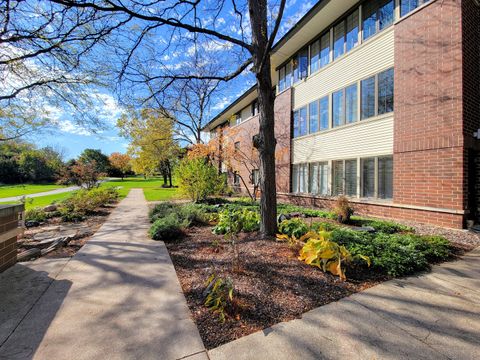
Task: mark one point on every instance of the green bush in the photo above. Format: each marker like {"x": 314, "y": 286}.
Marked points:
{"x": 167, "y": 228}
{"x": 293, "y": 228}
{"x": 192, "y": 215}
{"x": 324, "y": 226}
{"x": 198, "y": 179}
{"x": 236, "y": 221}
{"x": 161, "y": 210}
{"x": 385, "y": 226}
{"x": 36, "y": 214}
{"x": 84, "y": 202}
{"x": 394, "y": 254}
{"x": 287, "y": 209}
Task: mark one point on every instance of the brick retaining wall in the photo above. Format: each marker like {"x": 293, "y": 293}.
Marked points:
{"x": 10, "y": 228}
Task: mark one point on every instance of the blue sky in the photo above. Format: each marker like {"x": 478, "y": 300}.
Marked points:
{"x": 74, "y": 139}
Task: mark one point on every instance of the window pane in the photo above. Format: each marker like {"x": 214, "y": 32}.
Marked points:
{"x": 337, "y": 111}
{"x": 295, "y": 178}
{"x": 303, "y": 121}
{"x": 408, "y": 5}
{"x": 385, "y": 177}
{"x": 352, "y": 31}
{"x": 288, "y": 75}
{"x": 351, "y": 177}
{"x": 368, "y": 98}
{"x": 368, "y": 177}
{"x": 313, "y": 182}
{"x": 369, "y": 23}
{"x": 385, "y": 14}
{"x": 302, "y": 178}
{"x": 314, "y": 56}
{"x": 385, "y": 92}
{"x": 324, "y": 113}
{"x": 313, "y": 117}
{"x": 281, "y": 82}
{"x": 337, "y": 177}
{"x": 351, "y": 104}
{"x": 300, "y": 66}
{"x": 323, "y": 181}
{"x": 338, "y": 40}
{"x": 296, "y": 123}
{"x": 325, "y": 49}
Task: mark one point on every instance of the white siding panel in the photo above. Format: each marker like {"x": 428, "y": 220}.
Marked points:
{"x": 370, "y": 138}
{"x": 368, "y": 59}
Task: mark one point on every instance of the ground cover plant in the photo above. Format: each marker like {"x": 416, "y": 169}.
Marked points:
{"x": 315, "y": 260}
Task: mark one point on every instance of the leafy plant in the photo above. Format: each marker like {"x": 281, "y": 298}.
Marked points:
{"x": 161, "y": 210}
{"x": 294, "y": 228}
{"x": 167, "y": 228}
{"x": 36, "y": 214}
{"x": 385, "y": 226}
{"x": 237, "y": 221}
{"x": 327, "y": 255}
{"x": 84, "y": 202}
{"x": 324, "y": 226}
{"x": 219, "y": 295}
{"x": 343, "y": 210}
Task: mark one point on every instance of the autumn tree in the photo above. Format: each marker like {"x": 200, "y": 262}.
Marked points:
{"x": 120, "y": 162}
{"x": 251, "y": 46}
{"x": 152, "y": 146}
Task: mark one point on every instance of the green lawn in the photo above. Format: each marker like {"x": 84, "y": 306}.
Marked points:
{"x": 25, "y": 189}
{"x": 152, "y": 188}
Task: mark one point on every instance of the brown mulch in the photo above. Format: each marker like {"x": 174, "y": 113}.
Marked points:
{"x": 272, "y": 285}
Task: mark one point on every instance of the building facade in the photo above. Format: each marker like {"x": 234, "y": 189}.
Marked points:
{"x": 378, "y": 100}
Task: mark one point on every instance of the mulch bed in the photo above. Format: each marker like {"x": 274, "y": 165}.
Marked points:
{"x": 272, "y": 285}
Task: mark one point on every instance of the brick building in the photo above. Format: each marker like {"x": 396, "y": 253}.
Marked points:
{"x": 378, "y": 100}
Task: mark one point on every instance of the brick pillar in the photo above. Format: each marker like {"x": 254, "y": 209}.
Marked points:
{"x": 283, "y": 135}
{"x": 10, "y": 227}
{"x": 429, "y": 143}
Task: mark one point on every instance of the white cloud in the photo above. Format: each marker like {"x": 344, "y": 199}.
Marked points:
{"x": 68, "y": 126}
{"x": 222, "y": 103}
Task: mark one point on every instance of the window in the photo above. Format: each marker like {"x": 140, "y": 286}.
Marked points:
{"x": 409, "y": 5}
{"x": 385, "y": 92}
{"x": 254, "y": 108}
{"x": 324, "y": 120}
{"x": 255, "y": 177}
{"x": 300, "y": 66}
{"x": 368, "y": 177}
{"x": 236, "y": 179}
{"x": 351, "y": 104}
{"x": 385, "y": 177}
{"x": 352, "y": 31}
{"x": 337, "y": 168}
{"x": 313, "y": 117}
{"x": 318, "y": 181}
{"x": 314, "y": 56}
{"x": 237, "y": 119}
{"x": 337, "y": 108}
{"x": 236, "y": 146}
{"x": 284, "y": 77}
{"x": 300, "y": 122}
{"x": 367, "y": 100}
{"x": 300, "y": 178}
{"x": 338, "y": 40}
{"x": 351, "y": 177}
{"x": 377, "y": 15}
{"x": 325, "y": 49}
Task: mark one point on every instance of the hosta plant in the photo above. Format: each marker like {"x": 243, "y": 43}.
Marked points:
{"x": 327, "y": 255}
{"x": 219, "y": 295}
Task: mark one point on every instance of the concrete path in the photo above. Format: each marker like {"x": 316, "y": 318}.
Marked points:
{"x": 40, "y": 194}
{"x": 117, "y": 298}
{"x": 432, "y": 316}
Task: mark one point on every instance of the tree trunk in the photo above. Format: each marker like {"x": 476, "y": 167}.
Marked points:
{"x": 169, "y": 167}
{"x": 264, "y": 141}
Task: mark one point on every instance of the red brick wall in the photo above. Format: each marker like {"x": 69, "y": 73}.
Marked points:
{"x": 247, "y": 158}
{"x": 8, "y": 247}
{"x": 429, "y": 156}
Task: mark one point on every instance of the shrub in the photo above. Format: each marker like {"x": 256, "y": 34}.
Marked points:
{"x": 327, "y": 255}
{"x": 167, "y": 228}
{"x": 36, "y": 214}
{"x": 198, "y": 179}
{"x": 395, "y": 254}
{"x": 343, "y": 210}
{"x": 219, "y": 295}
{"x": 293, "y": 228}
{"x": 161, "y": 210}
{"x": 84, "y": 202}
{"x": 287, "y": 208}
{"x": 385, "y": 226}
{"x": 192, "y": 215}
{"x": 232, "y": 222}
{"x": 324, "y": 226}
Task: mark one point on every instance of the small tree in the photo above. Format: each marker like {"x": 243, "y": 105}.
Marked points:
{"x": 198, "y": 179}
{"x": 85, "y": 174}
{"x": 121, "y": 163}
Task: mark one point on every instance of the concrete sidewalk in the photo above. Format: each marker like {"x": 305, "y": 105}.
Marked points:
{"x": 40, "y": 194}
{"x": 117, "y": 298}
{"x": 432, "y": 316}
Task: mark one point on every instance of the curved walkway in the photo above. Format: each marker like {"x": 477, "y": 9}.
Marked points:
{"x": 117, "y": 298}
{"x": 431, "y": 316}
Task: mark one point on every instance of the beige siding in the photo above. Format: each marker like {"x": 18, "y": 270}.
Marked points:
{"x": 368, "y": 59}
{"x": 369, "y": 138}
{"x": 246, "y": 113}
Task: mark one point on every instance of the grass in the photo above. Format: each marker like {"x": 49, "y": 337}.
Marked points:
{"x": 25, "y": 189}
{"x": 152, "y": 188}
